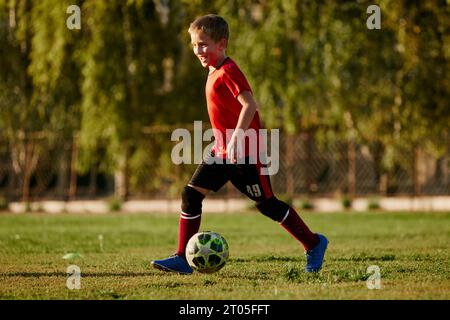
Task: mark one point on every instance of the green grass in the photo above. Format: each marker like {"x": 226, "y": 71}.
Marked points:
{"x": 412, "y": 251}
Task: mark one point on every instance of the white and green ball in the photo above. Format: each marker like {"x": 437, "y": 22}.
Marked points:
{"x": 207, "y": 252}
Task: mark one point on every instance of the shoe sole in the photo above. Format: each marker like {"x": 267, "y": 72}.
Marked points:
{"x": 162, "y": 268}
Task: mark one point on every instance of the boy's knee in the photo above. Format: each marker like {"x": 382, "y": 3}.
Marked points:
{"x": 273, "y": 208}
{"x": 191, "y": 201}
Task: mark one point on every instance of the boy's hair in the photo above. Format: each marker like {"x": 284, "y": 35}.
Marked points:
{"x": 213, "y": 25}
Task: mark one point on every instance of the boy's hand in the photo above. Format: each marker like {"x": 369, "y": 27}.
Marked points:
{"x": 233, "y": 149}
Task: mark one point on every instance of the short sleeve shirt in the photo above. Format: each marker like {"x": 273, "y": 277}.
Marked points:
{"x": 222, "y": 89}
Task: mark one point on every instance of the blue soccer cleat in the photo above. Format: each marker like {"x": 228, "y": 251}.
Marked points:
{"x": 314, "y": 256}
{"x": 174, "y": 263}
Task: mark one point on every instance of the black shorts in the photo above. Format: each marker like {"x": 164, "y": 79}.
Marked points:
{"x": 247, "y": 178}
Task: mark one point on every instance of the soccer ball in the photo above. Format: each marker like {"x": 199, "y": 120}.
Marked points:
{"x": 207, "y": 252}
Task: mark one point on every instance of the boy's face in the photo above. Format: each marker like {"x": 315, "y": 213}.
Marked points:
{"x": 206, "y": 49}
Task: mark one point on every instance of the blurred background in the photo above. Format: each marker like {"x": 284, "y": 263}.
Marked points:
{"x": 88, "y": 113}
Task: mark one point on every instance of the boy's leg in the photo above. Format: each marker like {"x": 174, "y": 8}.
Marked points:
{"x": 298, "y": 229}
{"x": 190, "y": 216}
{"x": 189, "y": 223}
{"x": 249, "y": 180}
{"x": 207, "y": 177}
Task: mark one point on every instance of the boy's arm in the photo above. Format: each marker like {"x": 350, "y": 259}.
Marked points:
{"x": 249, "y": 107}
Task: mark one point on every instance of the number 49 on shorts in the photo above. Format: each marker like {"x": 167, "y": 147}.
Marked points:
{"x": 254, "y": 190}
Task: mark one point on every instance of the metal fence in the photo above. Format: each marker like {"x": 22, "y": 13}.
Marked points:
{"x": 39, "y": 166}
{"x": 357, "y": 170}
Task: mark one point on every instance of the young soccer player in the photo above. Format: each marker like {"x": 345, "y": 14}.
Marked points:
{"x": 231, "y": 106}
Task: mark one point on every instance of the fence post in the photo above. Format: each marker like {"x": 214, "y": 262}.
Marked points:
{"x": 309, "y": 159}
{"x": 121, "y": 175}
{"x": 73, "y": 168}
{"x": 415, "y": 172}
{"x": 63, "y": 170}
{"x": 290, "y": 153}
{"x": 26, "y": 169}
{"x": 351, "y": 173}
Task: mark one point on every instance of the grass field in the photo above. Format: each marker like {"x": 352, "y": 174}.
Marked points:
{"x": 411, "y": 249}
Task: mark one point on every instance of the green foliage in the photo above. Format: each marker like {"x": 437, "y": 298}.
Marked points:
{"x": 373, "y": 204}
{"x": 115, "y": 204}
{"x": 312, "y": 65}
{"x": 3, "y": 204}
{"x": 346, "y": 202}
{"x": 306, "y": 204}
{"x": 28, "y": 207}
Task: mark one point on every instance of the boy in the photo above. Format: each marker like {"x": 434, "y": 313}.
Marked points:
{"x": 231, "y": 106}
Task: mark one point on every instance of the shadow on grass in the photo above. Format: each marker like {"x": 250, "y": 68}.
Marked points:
{"x": 87, "y": 274}
{"x": 296, "y": 275}
{"x": 363, "y": 257}
{"x": 271, "y": 258}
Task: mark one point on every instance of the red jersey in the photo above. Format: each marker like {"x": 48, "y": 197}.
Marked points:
{"x": 222, "y": 88}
